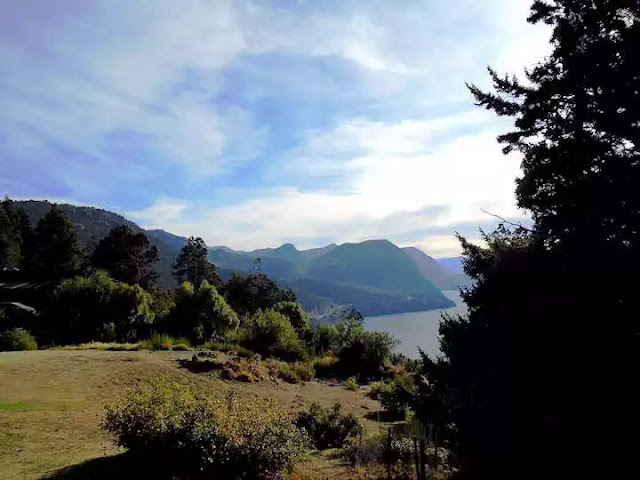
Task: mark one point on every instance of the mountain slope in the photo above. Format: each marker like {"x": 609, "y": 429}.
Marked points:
{"x": 451, "y": 264}
{"x": 375, "y": 263}
{"x": 93, "y": 224}
{"x": 434, "y": 272}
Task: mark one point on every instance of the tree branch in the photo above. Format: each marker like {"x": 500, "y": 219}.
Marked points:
{"x": 504, "y": 220}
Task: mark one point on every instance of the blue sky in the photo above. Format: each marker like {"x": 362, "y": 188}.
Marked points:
{"x": 256, "y": 123}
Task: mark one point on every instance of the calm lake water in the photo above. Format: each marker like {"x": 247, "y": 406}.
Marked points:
{"x": 416, "y": 329}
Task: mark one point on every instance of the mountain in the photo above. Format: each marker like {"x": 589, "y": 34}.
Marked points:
{"x": 169, "y": 239}
{"x": 375, "y": 277}
{"x": 433, "y": 271}
{"x": 451, "y": 264}
{"x": 93, "y": 224}
{"x": 375, "y": 263}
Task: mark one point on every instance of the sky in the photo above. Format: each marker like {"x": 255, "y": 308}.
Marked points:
{"x": 256, "y": 123}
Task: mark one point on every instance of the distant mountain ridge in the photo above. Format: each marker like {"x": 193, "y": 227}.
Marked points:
{"x": 375, "y": 276}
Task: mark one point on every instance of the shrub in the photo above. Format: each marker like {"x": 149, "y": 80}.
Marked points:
{"x": 17, "y": 339}
{"x": 326, "y": 366}
{"x": 292, "y": 372}
{"x": 180, "y": 347}
{"x": 98, "y": 308}
{"x": 351, "y": 383}
{"x": 377, "y": 389}
{"x": 202, "y": 436}
{"x": 329, "y": 427}
{"x": 201, "y": 314}
{"x": 232, "y": 349}
{"x": 374, "y": 450}
{"x": 271, "y": 334}
{"x": 162, "y": 341}
{"x": 321, "y": 338}
{"x": 296, "y": 315}
{"x": 397, "y": 399}
{"x": 361, "y": 352}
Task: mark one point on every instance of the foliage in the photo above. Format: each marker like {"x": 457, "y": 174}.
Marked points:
{"x": 57, "y": 249}
{"x": 376, "y": 389}
{"x": 295, "y": 372}
{"x": 17, "y": 339}
{"x": 326, "y": 366}
{"x": 296, "y": 315}
{"x": 193, "y": 266}
{"x": 374, "y": 450}
{"x": 84, "y": 307}
{"x": 203, "y": 436}
{"x": 517, "y": 376}
{"x": 162, "y": 341}
{"x": 201, "y": 314}
{"x": 10, "y": 240}
{"x": 361, "y": 352}
{"x": 253, "y": 292}
{"x": 230, "y": 348}
{"x": 352, "y": 384}
{"x": 397, "y": 398}
{"x": 329, "y": 427}
{"x": 127, "y": 257}
{"x": 321, "y": 338}
{"x": 271, "y": 334}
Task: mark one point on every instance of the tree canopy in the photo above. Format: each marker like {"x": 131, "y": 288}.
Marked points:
{"x": 127, "y": 256}
{"x": 192, "y": 265}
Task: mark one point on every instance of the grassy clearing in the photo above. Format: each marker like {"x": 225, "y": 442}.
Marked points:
{"x": 54, "y": 402}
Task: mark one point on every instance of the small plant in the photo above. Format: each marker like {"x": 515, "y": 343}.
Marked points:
{"x": 291, "y": 372}
{"x": 397, "y": 399}
{"x": 329, "y": 427}
{"x": 191, "y": 434}
{"x": 164, "y": 342}
{"x": 326, "y": 366}
{"x": 351, "y": 383}
{"x": 181, "y": 347}
{"x": 17, "y": 339}
{"x": 229, "y": 348}
{"x": 376, "y": 389}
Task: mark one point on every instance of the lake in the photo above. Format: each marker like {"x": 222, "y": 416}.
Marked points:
{"x": 416, "y": 329}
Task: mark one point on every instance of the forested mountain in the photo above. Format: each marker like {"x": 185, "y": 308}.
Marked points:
{"x": 93, "y": 224}
{"x": 376, "y": 277}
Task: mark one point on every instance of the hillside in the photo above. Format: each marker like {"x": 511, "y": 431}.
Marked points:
{"x": 93, "y": 224}
{"x": 452, "y": 264}
{"x": 432, "y": 270}
{"x": 375, "y": 263}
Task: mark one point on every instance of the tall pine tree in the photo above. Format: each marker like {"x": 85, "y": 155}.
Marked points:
{"x": 57, "y": 247}
{"x": 193, "y": 266}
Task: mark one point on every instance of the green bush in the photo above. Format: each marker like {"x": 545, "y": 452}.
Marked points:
{"x": 361, "y": 352}
{"x": 296, "y": 315}
{"x": 321, "y": 338}
{"x": 374, "y": 450}
{"x": 98, "y": 308}
{"x": 196, "y": 435}
{"x": 326, "y": 366}
{"x": 271, "y": 334}
{"x": 230, "y": 348}
{"x": 292, "y": 372}
{"x": 377, "y": 389}
{"x": 162, "y": 341}
{"x": 351, "y": 383}
{"x": 398, "y": 398}
{"x": 180, "y": 347}
{"x": 17, "y": 339}
{"x": 329, "y": 427}
{"x": 201, "y": 314}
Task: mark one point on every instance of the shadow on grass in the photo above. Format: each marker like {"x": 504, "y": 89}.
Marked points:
{"x": 121, "y": 467}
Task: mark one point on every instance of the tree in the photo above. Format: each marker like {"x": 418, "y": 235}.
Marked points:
{"x": 519, "y": 378}
{"x": 192, "y": 264}
{"x": 9, "y": 237}
{"x": 127, "y": 257}
{"x": 98, "y": 308}
{"x": 296, "y": 315}
{"x": 201, "y": 314}
{"x": 253, "y": 292}
{"x": 57, "y": 247}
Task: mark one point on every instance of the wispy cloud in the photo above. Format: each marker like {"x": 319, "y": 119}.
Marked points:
{"x": 252, "y": 123}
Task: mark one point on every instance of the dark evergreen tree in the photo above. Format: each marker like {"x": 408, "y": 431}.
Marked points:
{"x": 10, "y": 251}
{"x": 256, "y": 291}
{"x": 540, "y": 371}
{"x": 192, "y": 265}
{"x": 127, "y": 256}
{"x": 56, "y": 245}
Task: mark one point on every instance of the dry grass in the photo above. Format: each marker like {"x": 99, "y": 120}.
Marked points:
{"x": 52, "y": 403}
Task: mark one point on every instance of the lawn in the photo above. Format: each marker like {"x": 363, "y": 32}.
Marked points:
{"x": 52, "y": 403}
